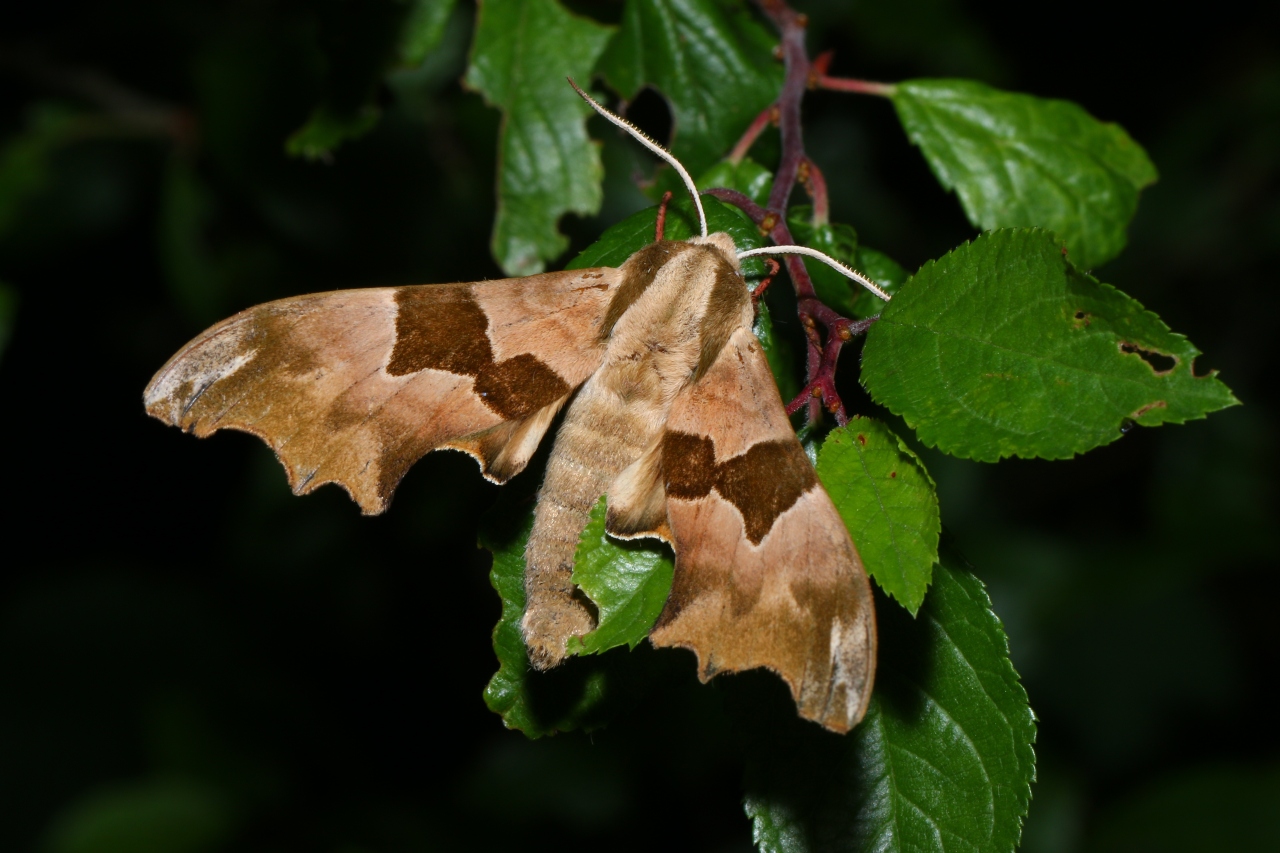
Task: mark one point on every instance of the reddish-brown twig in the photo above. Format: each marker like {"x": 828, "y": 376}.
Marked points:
{"x": 861, "y": 87}
{"x": 816, "y": 184}
{"x": 823, "y": 344}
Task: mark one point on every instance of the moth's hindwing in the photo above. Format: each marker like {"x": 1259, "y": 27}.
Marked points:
{"x": 354, "y": 386}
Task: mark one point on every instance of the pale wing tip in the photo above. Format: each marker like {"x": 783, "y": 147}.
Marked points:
{"x": 837, "y": 702}
{"x": 161, "y": 406}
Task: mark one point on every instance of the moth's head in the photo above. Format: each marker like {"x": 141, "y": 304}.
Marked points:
{"x": 724, "y": 243}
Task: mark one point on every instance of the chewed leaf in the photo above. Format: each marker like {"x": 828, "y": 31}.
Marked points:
{"x": 713, "y": 62}
{"x": 888, "y": 502}
{"x": 1003, "y": 348}
{"x": 1016, "y": 160}
{"x": 628, "y": 582}
{"x": 943, "y": 760}
{"x": 522, "y": 52}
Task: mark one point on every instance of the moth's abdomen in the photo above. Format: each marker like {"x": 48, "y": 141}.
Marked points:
{"x": 597, "y": 440}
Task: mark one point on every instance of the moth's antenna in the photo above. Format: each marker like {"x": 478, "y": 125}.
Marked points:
{"x": 825, "y": 258}
{"x": 652, "y": 146}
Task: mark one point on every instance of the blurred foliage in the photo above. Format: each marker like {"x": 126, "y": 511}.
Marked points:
{"x": 196, "y": 660}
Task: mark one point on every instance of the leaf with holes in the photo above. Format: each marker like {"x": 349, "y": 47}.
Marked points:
{"x": 628, "y": 582}
{"x": 943, "y": 760}
{"x": 888, "y": 502}
{"x": 547, "y": 166}
{"x": 1016, "y": 160}
{"x": 1003, "y": 348}
{"x": 712, "y": 61}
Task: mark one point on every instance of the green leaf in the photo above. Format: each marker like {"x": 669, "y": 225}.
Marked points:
{"x": 746, "y": 176}
{"x": 628, "y": 580}
{"x": 1003, "y": 348}
{"x": 547, "y": 166}
{"x": 888, "y": 502}
{"x": 573, "y": 695}
{"x": 712, "y": 60}
{"x": 943, "y": 761}
{"x": 423, "y": 28}
{"x": 1016, "y": 160}
{"x": 328, "y": 128}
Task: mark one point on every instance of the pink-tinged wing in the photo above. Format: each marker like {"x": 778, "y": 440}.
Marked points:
{"x": 766, "y": 575}
{"x": 352, "y": 387}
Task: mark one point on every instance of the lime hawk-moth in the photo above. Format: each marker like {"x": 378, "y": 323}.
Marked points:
{"x": 669, "y": 410}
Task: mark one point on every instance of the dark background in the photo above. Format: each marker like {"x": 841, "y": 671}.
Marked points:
{"x": 193, "y": 659}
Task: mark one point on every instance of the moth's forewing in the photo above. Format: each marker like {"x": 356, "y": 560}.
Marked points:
{"x": 354, "y": 386}
{"x": 766, "y": 574}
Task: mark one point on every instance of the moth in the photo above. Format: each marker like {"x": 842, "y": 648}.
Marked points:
{"x": 669, "y": 410}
